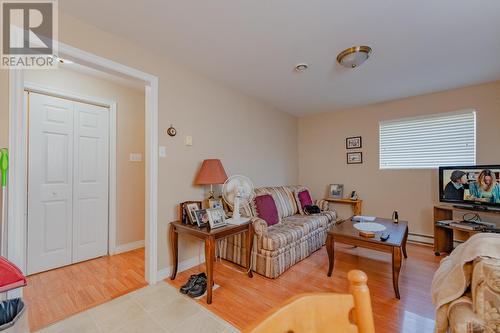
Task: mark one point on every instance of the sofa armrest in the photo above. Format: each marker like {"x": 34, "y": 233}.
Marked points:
{"x": 324, "y": 205}
{"x": 462, "y": 318}
{"x": 259, "y": 226}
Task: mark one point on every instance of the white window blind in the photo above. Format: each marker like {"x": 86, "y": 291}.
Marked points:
{"x": 428, "y": 142}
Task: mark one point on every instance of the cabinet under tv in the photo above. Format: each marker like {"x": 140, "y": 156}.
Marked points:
{"x": 444, "y": 234}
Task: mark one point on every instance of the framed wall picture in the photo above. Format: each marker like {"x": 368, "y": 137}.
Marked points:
{"x": 216, "y": 217}
{"x": 336, "y": 191}
{"x": 355, "y": 158}
{"x": 201, "y": 217}
{"x": 353, "y": 142}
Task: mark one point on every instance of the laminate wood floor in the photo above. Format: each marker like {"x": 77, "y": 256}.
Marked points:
{"x": 241, "y": 300}
{"x": 57, "y": 294}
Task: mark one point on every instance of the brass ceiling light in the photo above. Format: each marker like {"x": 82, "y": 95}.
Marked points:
{"x": 354, "y": 56}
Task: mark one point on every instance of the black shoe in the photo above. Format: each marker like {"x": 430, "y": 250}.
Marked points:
{"x": 191, "y": 282}
{"x": 199, "y": 288}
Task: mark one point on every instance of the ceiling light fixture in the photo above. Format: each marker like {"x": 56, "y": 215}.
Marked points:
{"x": 301, "y": 67}
{"x": 354, "y": 56}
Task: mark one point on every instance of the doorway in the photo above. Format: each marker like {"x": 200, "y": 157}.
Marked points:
{"x": 68, "y": 172}
{"x": 17, "y": 199}
{"x": 85, "y": 129}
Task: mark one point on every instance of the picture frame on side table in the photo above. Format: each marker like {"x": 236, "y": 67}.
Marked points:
{"x": 336, "y": 191}
{"x": 355, "y": 158}
{"x": 188, "y": 209}
{"x": 215, "y": 203}
{"x": 216, "y": 217}
{"x": 201, "y": 218}
{"x": 353, "y": 142}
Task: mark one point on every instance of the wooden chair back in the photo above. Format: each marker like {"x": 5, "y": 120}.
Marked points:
{"x": 323, "y": 312}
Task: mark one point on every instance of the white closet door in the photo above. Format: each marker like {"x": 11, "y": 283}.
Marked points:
{"x": 50, "y": 185}
{"x": 90, "y": 190}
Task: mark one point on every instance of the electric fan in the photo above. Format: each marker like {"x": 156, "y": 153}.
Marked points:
{"x": 237, "y": 191}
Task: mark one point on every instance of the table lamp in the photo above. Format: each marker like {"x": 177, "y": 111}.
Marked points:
{"x": 211, "y": 172}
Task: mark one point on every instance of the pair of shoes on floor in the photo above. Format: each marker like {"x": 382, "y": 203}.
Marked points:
{"x": 195, "y": 286}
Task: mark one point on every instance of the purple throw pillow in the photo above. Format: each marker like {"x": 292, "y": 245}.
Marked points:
{"x": 266, "y": 209}
{"x": 305, "y": 198}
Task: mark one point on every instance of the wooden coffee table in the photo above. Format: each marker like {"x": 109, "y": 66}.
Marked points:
{"x": 345, "y": 233}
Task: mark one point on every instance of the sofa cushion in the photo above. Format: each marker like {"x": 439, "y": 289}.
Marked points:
{"x": 266, "y": 209}
{"x": 308, "y": 223}
{"x": 284, "y": 198}
{"x": 302, "y": 198}
{"x": 279, "y": 236}
{"x": 305, "y": 199}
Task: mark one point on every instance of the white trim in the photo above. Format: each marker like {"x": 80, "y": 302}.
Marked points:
{"x": 112, "y": 180}
{"x": 151, "y": 190}
{"x": 16, "y": 207}
{"x": 18, "y": 161}
{"x": 56, "y": 92}
{"x": 183, "y": 266}
{"x": 111, "y": 105}
{"x": 420, "y": 238}
{"x": 129, "y": 247}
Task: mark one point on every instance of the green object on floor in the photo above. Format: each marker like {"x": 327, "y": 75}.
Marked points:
{"x": 4, "y": 165}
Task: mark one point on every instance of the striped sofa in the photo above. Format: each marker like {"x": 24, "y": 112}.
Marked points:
{"x": 278, "y": 247}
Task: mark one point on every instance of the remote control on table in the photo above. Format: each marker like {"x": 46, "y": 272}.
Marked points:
{"x": 384, "y": 236}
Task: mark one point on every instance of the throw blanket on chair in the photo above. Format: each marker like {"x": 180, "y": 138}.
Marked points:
{"x": 454, "y": 273}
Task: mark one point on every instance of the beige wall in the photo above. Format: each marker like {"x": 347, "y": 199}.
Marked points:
{"x": 322, "y": 153}
{"x": 129, "y": 138}
{"x": 249, "y": 137}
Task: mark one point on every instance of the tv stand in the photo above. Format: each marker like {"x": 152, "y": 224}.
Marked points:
{"x": 443, "y": 235}
{"x": 478, "y": 208}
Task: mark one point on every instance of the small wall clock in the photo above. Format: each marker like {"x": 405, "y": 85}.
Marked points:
{"x": 171, "y": 131}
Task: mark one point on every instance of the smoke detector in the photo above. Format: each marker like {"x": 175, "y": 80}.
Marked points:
{"x": 301, "y": 67}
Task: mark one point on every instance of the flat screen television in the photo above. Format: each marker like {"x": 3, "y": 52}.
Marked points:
{"x": 476, "y": 186}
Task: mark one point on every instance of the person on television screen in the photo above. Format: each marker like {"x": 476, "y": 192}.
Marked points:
{"x": 455, "y": 189}
{"x": 486, "y": 188}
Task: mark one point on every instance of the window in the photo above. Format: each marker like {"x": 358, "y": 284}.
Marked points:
{"x": 428, "y": 142}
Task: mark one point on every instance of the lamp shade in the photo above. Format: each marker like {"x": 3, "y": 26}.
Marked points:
{"x": 211, "y": 172}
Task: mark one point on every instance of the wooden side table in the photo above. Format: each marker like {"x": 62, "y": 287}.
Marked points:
{"x": 210, "y": 236}
{"x": 355, "y": 204}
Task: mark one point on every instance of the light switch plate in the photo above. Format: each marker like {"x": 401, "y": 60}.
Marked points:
{"x": 162, "y": 151}
{"x": 135, "y": 157}
{"x": 188, "y": 140}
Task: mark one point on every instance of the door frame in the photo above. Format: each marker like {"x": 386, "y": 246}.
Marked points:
{"x": 112, "y": 130}
{"x": 17, "y": 196}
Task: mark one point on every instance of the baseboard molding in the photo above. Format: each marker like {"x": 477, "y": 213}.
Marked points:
{"x": 195, "y": 261}
{"x": 129, "y": 247}
{"x": 421, "y": 238}
{"x": 183, "y": 265}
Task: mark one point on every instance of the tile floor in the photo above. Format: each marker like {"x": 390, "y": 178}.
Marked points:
{"x": 160, "y": 308}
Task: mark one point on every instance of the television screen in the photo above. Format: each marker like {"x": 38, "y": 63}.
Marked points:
{"x": 470, "y": 185}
